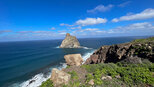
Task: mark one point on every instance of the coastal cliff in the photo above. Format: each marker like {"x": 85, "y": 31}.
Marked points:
{"x": 134, "y": 52}
{"x": 70, "y": 42}
{"x": 121, "y": 65}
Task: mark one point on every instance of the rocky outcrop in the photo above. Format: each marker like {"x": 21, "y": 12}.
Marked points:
{"x": 73, "y": 59}
{"x": 59, "y": 77}
{"x": 132, "y": 52}
{"x": 70, "y": 42}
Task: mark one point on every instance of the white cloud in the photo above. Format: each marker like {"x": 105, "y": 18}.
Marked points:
{"x": 63, "y": 24}
{"x": 100, "y": 8}
{"x": 34, "y": 32}
{"x": 91, "y": 29}
{"x": 124, "y": 4}
{"x": 63, "y": 32}
{"x": 24, "y": 32}
{"x": 79, "y": 27}
{"x": 136, "y": 29}
{"x": 146, "y": 14}
{"x": 91, "y": 21}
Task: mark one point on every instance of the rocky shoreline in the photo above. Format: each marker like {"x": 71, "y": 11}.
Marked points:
{"x": 121, "y": 65}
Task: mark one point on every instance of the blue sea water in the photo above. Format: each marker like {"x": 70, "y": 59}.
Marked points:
{"x": 29, "y": 63}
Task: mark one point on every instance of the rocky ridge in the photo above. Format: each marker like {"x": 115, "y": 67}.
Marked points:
{"x": 133, "y": 52}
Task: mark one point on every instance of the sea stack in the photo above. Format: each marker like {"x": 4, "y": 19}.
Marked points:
{"x": 70, "y": 42}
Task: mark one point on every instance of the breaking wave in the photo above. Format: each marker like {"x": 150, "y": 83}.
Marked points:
{"x": 80, "y": 47}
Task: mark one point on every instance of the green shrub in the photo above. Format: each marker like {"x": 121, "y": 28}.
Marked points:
{"x": 89, "y": 77}
{"x": 74, "y": 75}
{"x": 74, "y": 84}
{"x": 47, "y": 83}
{"x": 131, "y": 74}
{"x": 74, "y": 79}
{"x": 144, "y": 40}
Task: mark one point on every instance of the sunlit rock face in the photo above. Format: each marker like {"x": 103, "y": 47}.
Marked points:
{"x": 73, "y": 59}
{"x": 70, "y": 42}
{"x": 59, "y": 77}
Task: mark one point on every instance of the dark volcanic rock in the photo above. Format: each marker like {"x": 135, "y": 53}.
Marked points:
{"x": 129, "y": 52}
{"x": 134, "y": 60}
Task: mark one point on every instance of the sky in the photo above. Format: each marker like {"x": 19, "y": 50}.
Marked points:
{"x": 51, "y": 19}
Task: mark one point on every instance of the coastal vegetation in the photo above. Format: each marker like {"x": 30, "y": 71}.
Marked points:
{"x": 122, "y": 74}
{"x": 151, "y": 39}
{"x": 47, "y": 83}
{"x": 128, "y": 74}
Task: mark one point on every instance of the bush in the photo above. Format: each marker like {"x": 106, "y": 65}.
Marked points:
{"x": 74, "y": 75}
{"x": 144, "y": 40}
{"x": 131, "y": 74}
{"x": 47, "y": 83}
{"x": 74, "y": 79}
{"x": 89, "y": 77}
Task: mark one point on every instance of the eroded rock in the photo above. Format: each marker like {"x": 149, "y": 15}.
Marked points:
{"x": 70, "y": 42}
{"x": 106, "y": 78}
{"x": 129, "y": 52}
{"x": 59, "y": 77}
{"x": 73, "y": 59}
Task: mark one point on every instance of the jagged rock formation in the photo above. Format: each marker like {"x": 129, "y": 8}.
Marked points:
{"x": 70, "y": 42}
{"x": 132, "y": 52}
{"x": 73, "y": 59}
{"x": 59, "y": 77}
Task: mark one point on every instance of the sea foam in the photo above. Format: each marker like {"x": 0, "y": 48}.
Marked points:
{"x": 80, "y": 47}
{"x": 87, "y": 55}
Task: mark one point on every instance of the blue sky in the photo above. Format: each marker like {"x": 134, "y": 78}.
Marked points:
{"x": 52, "y": 19}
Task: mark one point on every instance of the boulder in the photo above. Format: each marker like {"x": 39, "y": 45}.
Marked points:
{"x": 91, "y": 82}
{"x": 118, "y": 76}
{"x": 73, "y": 59}
{"x": 70, "y": 42}
{"x": 59, "y": 77}
{"x": 106, "y": 78}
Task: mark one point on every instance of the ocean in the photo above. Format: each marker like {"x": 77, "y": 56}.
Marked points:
{"x": 29, "y": 63}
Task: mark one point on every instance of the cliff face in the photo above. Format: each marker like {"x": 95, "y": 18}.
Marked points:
{"x": 70, "y": 42}
{"x": 133, "y": 52}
